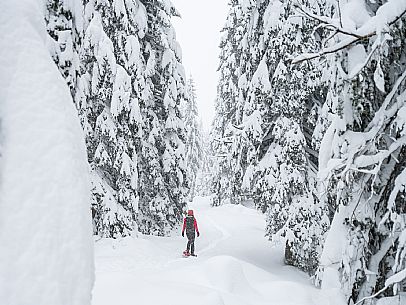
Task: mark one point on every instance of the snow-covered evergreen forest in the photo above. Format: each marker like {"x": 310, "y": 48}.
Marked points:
{"x": 299, "y": 185}
{"x": 310, "y": 126}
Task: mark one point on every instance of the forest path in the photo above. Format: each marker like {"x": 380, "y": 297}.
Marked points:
{"x": 236, "y": 265}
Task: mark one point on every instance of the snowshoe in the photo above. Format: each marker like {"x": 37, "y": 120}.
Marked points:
{"x": 185, "y": 254}
{"x": 195, "y": 255}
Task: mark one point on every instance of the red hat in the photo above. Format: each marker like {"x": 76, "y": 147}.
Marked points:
{"x": 190, "y": 212}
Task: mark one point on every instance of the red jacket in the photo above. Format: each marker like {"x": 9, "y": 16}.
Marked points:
{"x": 194, "y": 225}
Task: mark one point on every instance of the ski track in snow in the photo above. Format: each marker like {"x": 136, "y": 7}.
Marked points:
{"x": 236, "y": 265}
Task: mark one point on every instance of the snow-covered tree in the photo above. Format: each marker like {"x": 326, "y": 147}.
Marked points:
{"x": 123, "y": 65}
{"x": 107, "y": 98}
{"x": 294, "y": 92}
{"x": 226, "y": 134}
{"x": 194, "y": 140}
{"x": 45, "y": 220}
{"x": 362, "y": 151}
{"x": 205, "y": 175}
{"x": 286, "y": 189}
{"x": 162, "y": 168}
{"x": 264, "y": 94}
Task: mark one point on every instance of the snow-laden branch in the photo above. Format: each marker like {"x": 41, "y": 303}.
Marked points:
{"x": 361, "y": 162}
{"x": 333, "y": 49}
{"x": 387, "y": 15}
{"x": 396, "y": 278}
{"x": 354, "y": 72}
{"x": 383, "y": 113}
{"x": 328, "y": 23}
{"x": 375, "y": 261}
{"x": 364, "y": 161}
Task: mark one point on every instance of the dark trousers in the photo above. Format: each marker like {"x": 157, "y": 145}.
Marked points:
{"x": 191, "y": 242}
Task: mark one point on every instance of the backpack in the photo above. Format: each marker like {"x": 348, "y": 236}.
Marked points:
{"x": 190, "y": 224}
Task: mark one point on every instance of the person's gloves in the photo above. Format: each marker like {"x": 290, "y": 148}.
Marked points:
{"x": 198, "y": 234}
{"x": 183, "y": 234}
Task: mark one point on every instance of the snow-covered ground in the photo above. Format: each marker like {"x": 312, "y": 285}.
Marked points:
{"x": 236, "y": 265}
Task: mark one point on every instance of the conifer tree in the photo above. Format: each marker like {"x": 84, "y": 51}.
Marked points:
{"x": 108, "y": 103}
{"x": 270, "y": 98}
{"x": 295, "y": 91}
{"x": 162, "y": 168}
{"x": 294, "y": 214}
{"x": 194, "y": 144}
{"x": 205, "y": 175}
{"x": 362, "y": 153}
{"x": 123, "y": 65}
{"x": 226, "y": 133}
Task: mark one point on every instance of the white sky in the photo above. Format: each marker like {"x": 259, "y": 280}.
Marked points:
{"x": 198, "y": 32}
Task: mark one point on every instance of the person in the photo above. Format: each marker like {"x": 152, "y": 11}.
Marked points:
{"x": 190, "y": 226}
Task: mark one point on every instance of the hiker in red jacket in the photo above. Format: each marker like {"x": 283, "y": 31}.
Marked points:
{"x": 190, "y": 225}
